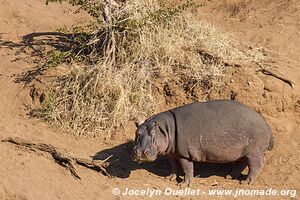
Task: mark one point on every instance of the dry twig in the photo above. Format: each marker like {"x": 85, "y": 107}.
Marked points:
{"x": 63, "y": 159}
{"x": 270, "y": 73}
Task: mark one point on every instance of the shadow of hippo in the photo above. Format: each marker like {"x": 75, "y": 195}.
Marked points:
{"x": 122, "y": 164}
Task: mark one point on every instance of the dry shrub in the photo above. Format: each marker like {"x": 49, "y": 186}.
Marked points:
{"x": 139, "y": 41}
{"x": 100, "y": 97}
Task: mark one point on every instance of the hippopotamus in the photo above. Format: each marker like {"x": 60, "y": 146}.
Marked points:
{"x": 218, "y": 131}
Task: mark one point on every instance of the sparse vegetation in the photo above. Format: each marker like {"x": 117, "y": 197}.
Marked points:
{"x": 134, "y": 44}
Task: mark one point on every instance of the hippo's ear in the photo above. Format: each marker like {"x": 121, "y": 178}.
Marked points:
{"x": 138, "y": 122}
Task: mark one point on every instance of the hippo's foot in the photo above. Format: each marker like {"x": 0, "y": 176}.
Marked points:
{"x": 185, "y": 183}
{"x": 171, "y": 177}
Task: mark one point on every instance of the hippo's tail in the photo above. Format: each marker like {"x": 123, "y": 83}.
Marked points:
{"x": 271, "y": 143}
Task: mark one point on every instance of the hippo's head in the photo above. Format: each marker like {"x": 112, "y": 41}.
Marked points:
{"x": 150, "y": 141}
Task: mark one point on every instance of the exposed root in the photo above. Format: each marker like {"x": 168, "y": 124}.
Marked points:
{"x": 64, "y": 160}
{"x": 270, "y": 73}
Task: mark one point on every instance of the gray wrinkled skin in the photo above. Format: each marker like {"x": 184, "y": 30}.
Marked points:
{"x": 154, "y": 138}
{"x": 216, "y": 131}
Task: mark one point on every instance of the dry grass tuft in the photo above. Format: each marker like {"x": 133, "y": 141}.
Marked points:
{"x": 138, "y": 42}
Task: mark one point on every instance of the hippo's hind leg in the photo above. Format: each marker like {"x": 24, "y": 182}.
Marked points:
{"x": 255, "y": 164}
{"x": 237, "y": 168}
{"x": 174, "y": 167}
{"x": 188, "y": 169}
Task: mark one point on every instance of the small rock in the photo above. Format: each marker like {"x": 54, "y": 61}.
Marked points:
{"x": 215, "y": 183}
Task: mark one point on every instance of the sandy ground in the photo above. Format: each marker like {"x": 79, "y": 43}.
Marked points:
{"x": 31, "y": 175}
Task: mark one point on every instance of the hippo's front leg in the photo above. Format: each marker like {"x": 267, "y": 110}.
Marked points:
{"x": 188, "y": 169}
{"x": 174, "y": 168}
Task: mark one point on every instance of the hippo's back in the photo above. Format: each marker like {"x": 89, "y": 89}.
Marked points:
{"x": 221, "y": 130}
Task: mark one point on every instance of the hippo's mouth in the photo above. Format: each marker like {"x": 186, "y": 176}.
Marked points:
{"x": 144, "y": 159}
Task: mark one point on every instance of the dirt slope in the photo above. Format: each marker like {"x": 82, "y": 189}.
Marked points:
{"x": 26, "y": 174}
{"x": 30, "y": 175}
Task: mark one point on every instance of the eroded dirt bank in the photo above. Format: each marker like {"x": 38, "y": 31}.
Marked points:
{"x": 26, "y": 174}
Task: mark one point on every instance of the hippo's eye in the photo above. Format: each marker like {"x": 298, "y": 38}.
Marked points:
{"x": 152, "y": 133}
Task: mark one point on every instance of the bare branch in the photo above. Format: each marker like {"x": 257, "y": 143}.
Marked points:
{"x": 64, "y": 160}
{"x": 270, "y": 73}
